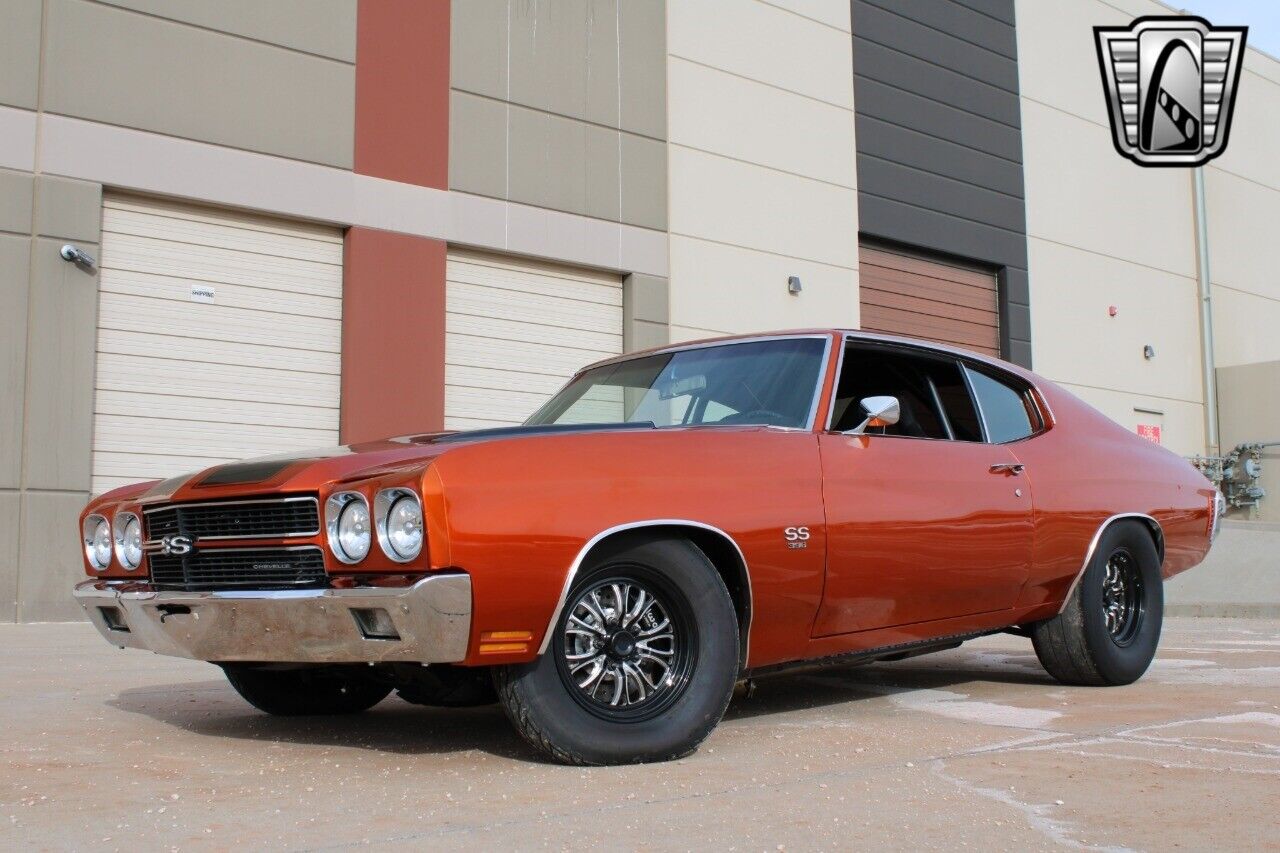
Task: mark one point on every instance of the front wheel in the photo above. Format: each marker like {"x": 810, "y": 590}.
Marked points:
{"x": 307, "y": 690}
{"x": 641, "y": 663}
{"x": 1108, "y": 632}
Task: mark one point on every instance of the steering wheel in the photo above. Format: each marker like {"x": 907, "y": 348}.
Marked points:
{"x": 766, "y": 417}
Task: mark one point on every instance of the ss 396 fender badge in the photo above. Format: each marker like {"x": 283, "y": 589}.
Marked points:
{"x": 797, "y": 537}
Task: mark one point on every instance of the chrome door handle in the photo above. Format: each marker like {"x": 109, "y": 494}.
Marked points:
{"x": 1014, "y": 468}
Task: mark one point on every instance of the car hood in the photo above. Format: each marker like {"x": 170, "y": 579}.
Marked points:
{"x": 309, "y": 470}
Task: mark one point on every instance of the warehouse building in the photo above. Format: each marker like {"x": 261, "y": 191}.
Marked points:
{"x": 313, "y": 221}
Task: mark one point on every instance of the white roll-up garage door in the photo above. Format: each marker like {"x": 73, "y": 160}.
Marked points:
{"x": 516, "y": 330}
{"x": 219, "y": 338}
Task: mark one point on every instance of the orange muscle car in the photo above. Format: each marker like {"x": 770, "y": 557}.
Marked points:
{"x": 667, "y": 524}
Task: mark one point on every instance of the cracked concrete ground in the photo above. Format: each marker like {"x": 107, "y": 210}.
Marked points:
{"x": 974, "y": 747}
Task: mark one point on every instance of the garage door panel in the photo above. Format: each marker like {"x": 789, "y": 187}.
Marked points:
{"x": 928, "y": 287}
{"x": 239, "y": 412}
{"x": 127, "y": 313}
{"x": 182, "y": 385}
{"x": 219, "y": 236}
{"x": 551, "y": 337}
{"x": 533, "y": 308}
{"x": 151, "y": 286}
{"x": 220, "y": 266}
{"x": 222, "y": 352}
{"x": 516, "y": 330}
{"x": 891, "y": 322}
{"x": 498, "y": 354}
{"x": 918, "y": 305}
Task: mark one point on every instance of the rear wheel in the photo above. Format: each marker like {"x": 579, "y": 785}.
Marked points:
{"x": 305, "y": 691}
{"x": 640, "y": 666}
{"x": 1109, "y": 630}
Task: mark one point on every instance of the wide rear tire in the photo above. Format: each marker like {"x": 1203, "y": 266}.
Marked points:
{"x": 641, "y": 663}
{"x": 1109, "y": 630}
{"x": 305, "y": 691}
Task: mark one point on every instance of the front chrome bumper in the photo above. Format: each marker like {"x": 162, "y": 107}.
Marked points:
{"x": 432, "y": 622}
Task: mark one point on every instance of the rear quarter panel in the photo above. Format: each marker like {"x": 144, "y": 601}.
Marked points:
{"x": 518, "y": 512}
{"x": 1087, "y": 468}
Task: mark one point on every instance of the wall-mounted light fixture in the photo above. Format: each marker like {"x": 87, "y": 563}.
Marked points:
{"x": 793, "y": 285}
{"x": 76, "y": 255}
{"x": 1148, "y": 352}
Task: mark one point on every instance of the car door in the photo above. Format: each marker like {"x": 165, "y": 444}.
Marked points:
{"x": 926, "y": 519}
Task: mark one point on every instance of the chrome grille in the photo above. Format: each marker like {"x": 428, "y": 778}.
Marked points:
{"x": 240, "y": 568}
{"x": 265, "y": 518}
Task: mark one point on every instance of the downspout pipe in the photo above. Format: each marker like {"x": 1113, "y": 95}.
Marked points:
{"x": 1206, "y": 314}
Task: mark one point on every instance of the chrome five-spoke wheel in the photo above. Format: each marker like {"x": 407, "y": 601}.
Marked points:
{"x": 625, "y": 650}
{"x": 1122, "y": 596}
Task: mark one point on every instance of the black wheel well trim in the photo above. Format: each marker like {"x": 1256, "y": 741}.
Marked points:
{"x": 692, "y": 531}
{"x": 1153, "y": 527}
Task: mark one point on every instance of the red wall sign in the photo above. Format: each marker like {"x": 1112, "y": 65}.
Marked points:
{"x": 1151, "y": 432}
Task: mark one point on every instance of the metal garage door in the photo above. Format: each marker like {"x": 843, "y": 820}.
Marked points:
{"x": 219, "y": 338}
{"x": 903, "y": 294}
{"x": 516, "y": 330}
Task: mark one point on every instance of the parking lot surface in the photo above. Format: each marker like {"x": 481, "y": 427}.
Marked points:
{"x": 973, "y": 747}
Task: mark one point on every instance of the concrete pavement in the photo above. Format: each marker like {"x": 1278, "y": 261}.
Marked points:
{"x": 974, "y": 747}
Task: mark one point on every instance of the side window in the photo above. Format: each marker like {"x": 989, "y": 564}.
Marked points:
{"x": 932, "y": 398}
{"x": 1007, "y": 411}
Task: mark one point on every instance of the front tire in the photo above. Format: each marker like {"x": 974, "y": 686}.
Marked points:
{"x": 1109, "y": 630}
{"x": 305, "y": 691}
{"x": 641, "y": 663}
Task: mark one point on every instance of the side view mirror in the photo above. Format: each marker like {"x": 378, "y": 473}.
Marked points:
{"x": 880, "y": 411}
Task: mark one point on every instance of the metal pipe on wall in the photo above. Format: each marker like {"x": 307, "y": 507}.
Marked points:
{"x": 1206, "y": 314}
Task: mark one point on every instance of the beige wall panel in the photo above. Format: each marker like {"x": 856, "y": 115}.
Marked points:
{"x": 1076, "y": 341}
{"x": 60, "y": 363}
{"x": 563, "y": 164}
{"x": 564, "y": 58}
{"x": 67, "y": 209}
{"x": 1181, "y": 424}
{"x": 1249, "y": 411}
{"x": 10, "y": 502}
{"x": 1245, "y": 328}
{"x": 478, "y": 47}
{"x": 1243, "y": 250}
{"x": 759, "y": 208}
{"x": 644, "y": 181}
{"x": 121, "y": 67}
{"x": 683, "y": 334}
{"x": 16, "y": 192}
{"x": 15, "y": 254}
{"x": 1144, "y": 215}
{"x": 323, "y": 27}
{"x": 17, "y": 139}
{"x": 764, "y": 43}
{"x": 833, "y": 13}
{"x": 1255, "y": 128}
{"x": 50, "y": 556}
{"x": 642, "y": 26}
{"x": 19, "y": 52}
{"x": 731, "y": 289}
{"x": 716, "y": 111}
{"x": 477, "y": 144}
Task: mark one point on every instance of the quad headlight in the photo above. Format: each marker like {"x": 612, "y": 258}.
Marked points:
{"x": 127, "y": 533}
{"x": 400, "y": 525}
{"x": 348, "y": 526}
{"x": 97, "y": 542}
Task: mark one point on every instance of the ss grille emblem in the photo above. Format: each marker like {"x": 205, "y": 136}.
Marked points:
{"x": 174, "y": 546}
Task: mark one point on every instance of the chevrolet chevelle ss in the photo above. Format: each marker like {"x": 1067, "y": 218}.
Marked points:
{"x": 669, "y": 523}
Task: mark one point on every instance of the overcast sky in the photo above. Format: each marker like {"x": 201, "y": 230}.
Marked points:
{"x": 1262, "y": 17}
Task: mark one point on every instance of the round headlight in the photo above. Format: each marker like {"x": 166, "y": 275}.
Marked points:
{"x": 400, "y": 527}
{"x": 127, "y": 531}
{"x": 97, "y": 542}
{"x": 347, "y": 520}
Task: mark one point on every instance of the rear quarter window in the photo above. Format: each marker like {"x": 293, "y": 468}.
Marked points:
{"x": 1007, "y": 411}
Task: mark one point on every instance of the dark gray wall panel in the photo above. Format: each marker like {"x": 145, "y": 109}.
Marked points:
{"x": 940, "y": 141}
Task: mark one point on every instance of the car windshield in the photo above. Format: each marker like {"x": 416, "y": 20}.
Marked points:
{"x": 749, "y": 382}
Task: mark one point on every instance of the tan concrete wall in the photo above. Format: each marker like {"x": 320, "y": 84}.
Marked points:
{"x": 1240, "y": 577}
{"x": 762, "y": 165}
{"x": 561, "y": 105}
{"x": 1249, "y": 411}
